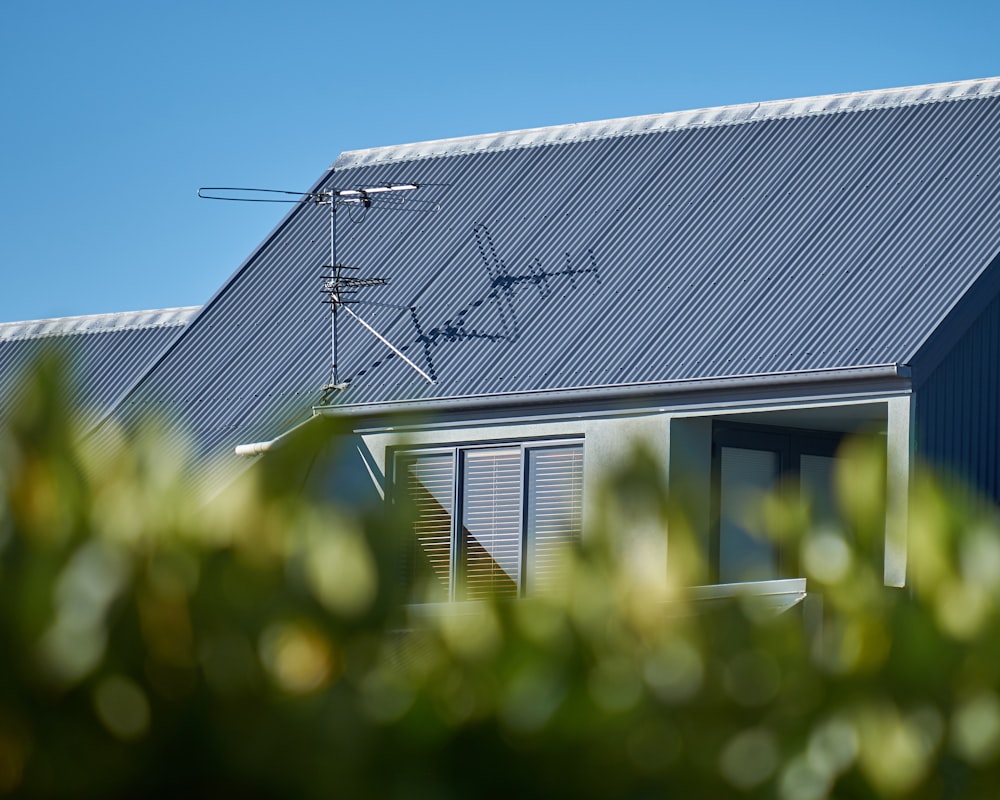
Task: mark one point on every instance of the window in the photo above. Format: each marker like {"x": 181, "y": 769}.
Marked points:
{"x": 490, "y": 521}
{"x": 748, "y": 461}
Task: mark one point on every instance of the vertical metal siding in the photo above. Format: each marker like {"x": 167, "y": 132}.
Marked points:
{"x": 958, "y": 408}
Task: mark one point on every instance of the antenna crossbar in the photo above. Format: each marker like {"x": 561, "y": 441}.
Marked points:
{"x": 332, "y": 284}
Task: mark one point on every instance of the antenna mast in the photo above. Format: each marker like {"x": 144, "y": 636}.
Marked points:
{"x": 337, "y": 285}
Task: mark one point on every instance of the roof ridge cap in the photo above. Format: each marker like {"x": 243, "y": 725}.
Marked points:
{"x": 97, "y": 323}
{"x": 673, "y": 120}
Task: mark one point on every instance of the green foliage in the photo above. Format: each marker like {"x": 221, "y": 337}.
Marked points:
{"x": 161, "y": 640}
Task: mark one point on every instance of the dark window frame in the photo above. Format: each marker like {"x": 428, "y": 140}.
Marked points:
{"x": 790, "y": 444}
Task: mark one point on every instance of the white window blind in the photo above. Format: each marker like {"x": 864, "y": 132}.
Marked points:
{"x": 491, "y": 522}
{"x": 555, "y": 510}
{"x": 430, "y": 485}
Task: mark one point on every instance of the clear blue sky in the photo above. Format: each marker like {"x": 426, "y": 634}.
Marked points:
{"x": 114, "y": 113}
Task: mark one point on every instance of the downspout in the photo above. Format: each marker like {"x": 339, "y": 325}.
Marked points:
{"x": 258, "y": 448}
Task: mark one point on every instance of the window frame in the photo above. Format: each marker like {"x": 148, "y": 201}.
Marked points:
{"x": 458, "y": 451}
{"x": 790, "y": 444}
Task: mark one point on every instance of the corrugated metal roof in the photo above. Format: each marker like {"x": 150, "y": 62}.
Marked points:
{"x": 817, "y": 234}
{"x": 105, "y": 353}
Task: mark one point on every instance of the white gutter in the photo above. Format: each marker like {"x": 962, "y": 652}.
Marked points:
{"x": 620, "y": 391}
{"x": 617, "y": 392}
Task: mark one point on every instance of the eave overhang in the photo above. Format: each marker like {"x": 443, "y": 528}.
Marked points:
{"x": 735, "y": 388}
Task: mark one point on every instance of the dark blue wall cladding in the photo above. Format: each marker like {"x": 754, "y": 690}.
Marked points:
{"x": 958, "y": 408}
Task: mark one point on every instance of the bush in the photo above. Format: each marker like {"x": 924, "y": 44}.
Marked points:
{"x": 162, "y": 641}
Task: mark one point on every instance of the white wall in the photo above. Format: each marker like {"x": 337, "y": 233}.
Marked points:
{"x": 680, "y": 440}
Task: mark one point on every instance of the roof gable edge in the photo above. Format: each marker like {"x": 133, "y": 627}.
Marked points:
{"x": 956, "y": 323}
{"x": 205, "y": 309}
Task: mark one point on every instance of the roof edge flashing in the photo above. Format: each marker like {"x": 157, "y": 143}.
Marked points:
{"x": 672, "y": 120}
{"x": 624, "y": 391}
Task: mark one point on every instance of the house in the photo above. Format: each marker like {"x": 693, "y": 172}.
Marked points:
{"x": 738, "y": 288}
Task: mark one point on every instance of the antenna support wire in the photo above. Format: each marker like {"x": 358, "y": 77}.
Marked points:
{"x": 387, "y": 343}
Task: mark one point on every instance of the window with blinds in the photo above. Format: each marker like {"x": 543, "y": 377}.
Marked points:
{"x": 429, "y": 482}
{"x": 555, "y": 511}
{"x": 491, "y": 521}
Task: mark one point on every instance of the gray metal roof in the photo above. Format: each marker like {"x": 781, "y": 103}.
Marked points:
{"x": 105, "y": 353}
{"x": 807, "y": 235}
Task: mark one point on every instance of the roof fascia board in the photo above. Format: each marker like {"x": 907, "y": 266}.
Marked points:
{"x": 673, "y": 120}
{"x": 700, "y": 407}
{"x": 720, "y": 391}
{"x": 962, "y": 316}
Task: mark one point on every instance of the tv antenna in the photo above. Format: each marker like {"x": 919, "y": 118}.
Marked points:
{"x": 389, "y": 196}
{"x": 338, "y": 286}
